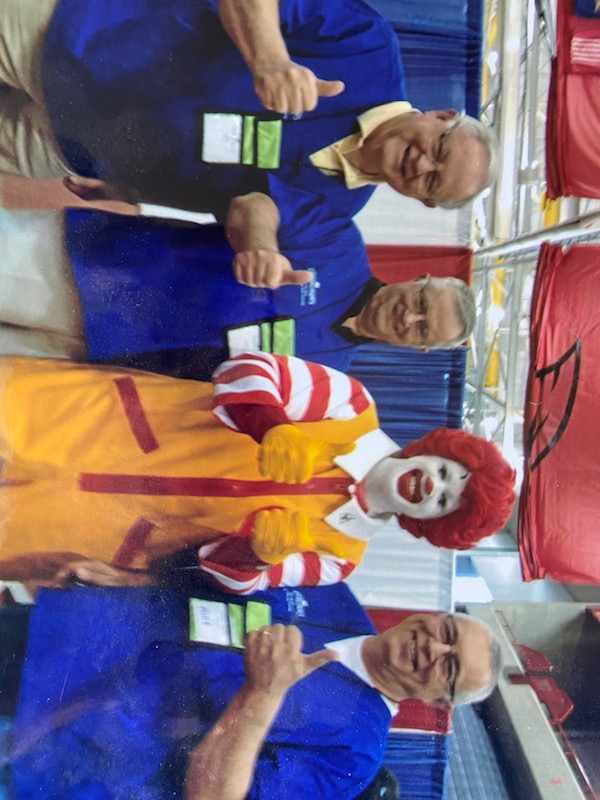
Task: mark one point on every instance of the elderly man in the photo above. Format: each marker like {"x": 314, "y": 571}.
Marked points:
{"x": 133, "y": 291}
{"x": 128, "y": 466}
{"x": 160, "y": 102}
{"x": 116, "y": 701}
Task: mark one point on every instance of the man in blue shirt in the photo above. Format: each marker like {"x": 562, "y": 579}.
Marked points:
{"x": 116, "y": 701}
{"x": 168, "y": 105}
{"x": 139, "y": 292}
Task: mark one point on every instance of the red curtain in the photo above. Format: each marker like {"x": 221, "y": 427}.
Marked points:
{"x": 559, "y": 511}
{"x": 573, "y": 124}
{"x": 392, "y": 263}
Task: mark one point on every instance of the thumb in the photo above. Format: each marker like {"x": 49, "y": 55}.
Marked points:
{"x": 313, "y": 661}
{"x": 296, "y": 277}
{"x": 330, "y": 88}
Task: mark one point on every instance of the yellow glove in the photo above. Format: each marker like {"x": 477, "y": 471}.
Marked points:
{"x": 279, "y": 532}
{"x": 289, "y": 456}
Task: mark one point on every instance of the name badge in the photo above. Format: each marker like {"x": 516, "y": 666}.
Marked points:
{"x": 277, "y": 336}
{"x": 222, "y": 139}
{"x": 228, "y": 138}
{"x": 226, "y": 624}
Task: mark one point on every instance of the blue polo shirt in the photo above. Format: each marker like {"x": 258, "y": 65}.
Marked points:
{"x": 133, "y": 87}
{"x": 114, "y": 696}
{"x": 149, "y": 287}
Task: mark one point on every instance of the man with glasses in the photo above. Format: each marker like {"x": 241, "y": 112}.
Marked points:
{"x": 132, "y": 291}
{"x": 426, "y": 313}
{"x": 276, "y": 117}
{"x": 130, "y": 707}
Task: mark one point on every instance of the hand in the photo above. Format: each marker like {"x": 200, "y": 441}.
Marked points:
{"x": 267, "y": 269}
{"x": 290, "y": 88}
{"x": 275, "y": 661}
{"x": 97, "y": 573}
{"x": 287, "y": 455}
{"x": 280, "y": 532}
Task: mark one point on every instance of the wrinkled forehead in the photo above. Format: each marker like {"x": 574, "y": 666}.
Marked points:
{"x": 443, "y": 316}
{"x": 474, "y": 642}
{"x": 466, "y": 168}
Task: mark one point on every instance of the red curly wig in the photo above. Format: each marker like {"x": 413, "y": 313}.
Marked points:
{"x": 487, "y": 499}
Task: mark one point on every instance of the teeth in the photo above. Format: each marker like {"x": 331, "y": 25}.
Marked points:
{"x": 412, "y": 486}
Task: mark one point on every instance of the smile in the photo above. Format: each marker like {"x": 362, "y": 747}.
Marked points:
{"x": 414, "y": 657}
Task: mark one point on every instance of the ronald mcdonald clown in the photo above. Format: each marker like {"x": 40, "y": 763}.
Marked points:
{"x": 126, "y": 466}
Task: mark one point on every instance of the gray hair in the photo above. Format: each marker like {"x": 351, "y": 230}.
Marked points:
{"x": 467, "y": 312}
{"x": 496, "y": 663}
{"x": 482, "y": 134}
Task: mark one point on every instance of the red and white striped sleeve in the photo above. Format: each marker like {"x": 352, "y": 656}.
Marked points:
{"x": 231, "y": 564}
{"x": 304, "y": 391}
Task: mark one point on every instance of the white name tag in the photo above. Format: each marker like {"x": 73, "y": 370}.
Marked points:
{"x": 244, "y": 340}
{"x": 222, "y": 138}
{"x": 209, "y": 622}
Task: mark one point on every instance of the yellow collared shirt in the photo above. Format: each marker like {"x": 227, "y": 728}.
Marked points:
{"x": 333, "y": 157}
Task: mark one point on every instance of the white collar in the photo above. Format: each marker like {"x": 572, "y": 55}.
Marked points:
{"x": 349, "y": 518}
{"x": 350, "y": 653}
{"x": 370, "y": 449}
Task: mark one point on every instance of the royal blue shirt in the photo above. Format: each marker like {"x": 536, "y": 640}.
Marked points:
{"x": 114, "y": 696}
{"x": 129, "y": 85}
{"x": 148, "y": 287}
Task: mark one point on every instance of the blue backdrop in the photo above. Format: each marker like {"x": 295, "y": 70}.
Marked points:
{"x": 441, "y": 47}
{"x": 415, "y": 392}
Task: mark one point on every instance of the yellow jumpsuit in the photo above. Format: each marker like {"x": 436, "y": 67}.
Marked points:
{"x": 112, "y": 464}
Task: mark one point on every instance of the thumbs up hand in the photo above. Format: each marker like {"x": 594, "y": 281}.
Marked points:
{"x": 267, "y": 269}
{"x": 288, "y": 455}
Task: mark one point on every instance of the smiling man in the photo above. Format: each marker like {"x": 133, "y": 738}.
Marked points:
{"x": 437, "y": 157}
{"x": 439, "y": 658}
{"x": 132, "y": 707}
{"x": 256, "y": 102}
{"x": 134, "y": 291}
{"x": 425, "y": 313}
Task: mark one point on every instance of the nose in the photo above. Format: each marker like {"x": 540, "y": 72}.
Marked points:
{"x": 438, "y": 649}
{"x": 412, "y": 317}
{"x": 425, "y": 164}
{"x": 428, "y": 486}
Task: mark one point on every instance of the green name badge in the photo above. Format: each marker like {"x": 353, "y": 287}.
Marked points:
{"x": 277, "y": 336}
{"x": 229, "y": 138}
{"x": 226, "y": 624}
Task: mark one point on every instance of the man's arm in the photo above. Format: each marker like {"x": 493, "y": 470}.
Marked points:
{"x": 251, "y": 227}
{"x": 221, "y": 767}
{"x": 281, "y": 85}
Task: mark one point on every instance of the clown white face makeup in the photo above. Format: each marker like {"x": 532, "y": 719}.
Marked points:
{"x": 422, "y": 487}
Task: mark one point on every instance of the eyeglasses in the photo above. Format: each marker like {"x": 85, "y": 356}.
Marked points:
{"x": 420, "y": 307}
{"x": 434, "y": 180}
